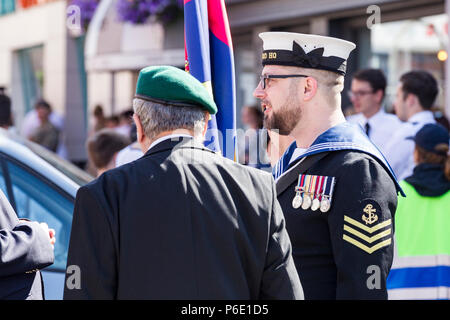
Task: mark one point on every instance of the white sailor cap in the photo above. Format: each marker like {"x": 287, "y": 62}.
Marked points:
{"x": 306, "y": 51}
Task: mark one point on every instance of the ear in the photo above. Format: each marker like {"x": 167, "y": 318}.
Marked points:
{"x": 139, "y": 129}
{"x": 411, "y": 100}
{"x": 309, "y": 89}
{"x": 207, "y": 118}
{"x": 379, "y": 95}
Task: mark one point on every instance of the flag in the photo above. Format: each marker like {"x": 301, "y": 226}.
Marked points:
{"x": 209, "y": 58}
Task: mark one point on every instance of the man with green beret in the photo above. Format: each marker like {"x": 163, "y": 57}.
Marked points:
{"x": 182, "y": 222}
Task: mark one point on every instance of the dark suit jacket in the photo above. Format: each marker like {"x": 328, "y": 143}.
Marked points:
{"x": 24, "y": 249}
{"x": 181, "y": 223}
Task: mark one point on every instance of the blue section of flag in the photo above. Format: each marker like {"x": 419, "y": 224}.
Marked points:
{"x": 419, "y": 277}
{"x": 210, "y": 59}
{"x": 197, "y": 39}
{"x": 223, "y": 88}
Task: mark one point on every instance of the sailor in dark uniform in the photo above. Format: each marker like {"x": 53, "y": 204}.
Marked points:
{"x": 337, "y": 191}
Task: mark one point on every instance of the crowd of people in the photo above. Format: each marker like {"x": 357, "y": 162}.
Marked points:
{"x": 111, "y": 141}
{"x": 349, "y": 195}
{"x": 415, "y": 97}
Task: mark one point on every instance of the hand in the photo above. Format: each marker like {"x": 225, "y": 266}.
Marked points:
{"x": 51, "y": 233}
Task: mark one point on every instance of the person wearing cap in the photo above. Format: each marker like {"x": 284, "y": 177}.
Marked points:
{"x": 182, "y": 222}
{"x": 415, "y": 96}
{"x": 422, "y": 222}
{"x": 336, "y": 190}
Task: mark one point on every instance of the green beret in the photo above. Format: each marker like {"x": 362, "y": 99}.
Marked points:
{"x": 170, "y": 85}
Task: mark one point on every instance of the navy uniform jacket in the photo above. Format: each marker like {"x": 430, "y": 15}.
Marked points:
{"x": 343, "y": 253}
{"x": 181, "y": 223}
{"x": 329, "y": 266}
{"x": 24, "y": 249}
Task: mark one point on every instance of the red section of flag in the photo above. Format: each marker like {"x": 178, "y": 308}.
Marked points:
{"x": 218, "y": 21}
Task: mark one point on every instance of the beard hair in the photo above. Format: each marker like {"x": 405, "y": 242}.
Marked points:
{"x": 287, "y": 117}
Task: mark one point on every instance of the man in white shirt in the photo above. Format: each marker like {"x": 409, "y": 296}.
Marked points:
{"x": 367, "y": 93}
{"x": 415, "y": 96}
{"x": 128, "y": 154}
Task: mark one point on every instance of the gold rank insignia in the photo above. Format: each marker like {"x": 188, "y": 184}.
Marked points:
{"x": 370, "y": 235}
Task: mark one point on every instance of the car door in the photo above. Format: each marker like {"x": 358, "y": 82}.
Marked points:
{"x": 35, "y": 197}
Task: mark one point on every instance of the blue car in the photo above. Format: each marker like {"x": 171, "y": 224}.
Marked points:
{"x": 42, "y": 187}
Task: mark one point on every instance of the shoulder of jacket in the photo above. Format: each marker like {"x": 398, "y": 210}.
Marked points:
{"x": 242, "y": 170}
{"x": 351, "y": 159}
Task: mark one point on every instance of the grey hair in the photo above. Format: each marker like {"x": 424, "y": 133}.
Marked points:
{"x": 157, "y": 118}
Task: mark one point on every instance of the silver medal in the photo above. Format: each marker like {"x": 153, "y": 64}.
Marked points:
{"x": 325, "y": 205}
{"x": 306, "y": 202}
{"x": 315, "y": 204}
{"x": 297, "y": 201}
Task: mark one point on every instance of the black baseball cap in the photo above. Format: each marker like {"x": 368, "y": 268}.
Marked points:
{"x": 430, "y": 136}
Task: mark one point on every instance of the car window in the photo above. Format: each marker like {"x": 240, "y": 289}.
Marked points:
{"x": 3, "y": 183}
{"x": 77, "y": 175}
{"x": 40, "y": 201}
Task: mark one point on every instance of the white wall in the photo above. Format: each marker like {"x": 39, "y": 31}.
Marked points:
{"x": 99, "y": 91}
{"x": 40, "y": 25}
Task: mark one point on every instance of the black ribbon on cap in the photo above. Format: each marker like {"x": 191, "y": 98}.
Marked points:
{"x": 299, "y": 58}
{"x": 312, "y": 58}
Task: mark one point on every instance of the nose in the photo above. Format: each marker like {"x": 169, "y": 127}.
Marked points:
{"x": 259, "y": 92}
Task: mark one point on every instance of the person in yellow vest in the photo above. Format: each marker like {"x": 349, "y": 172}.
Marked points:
{"x": 421, "y": 266}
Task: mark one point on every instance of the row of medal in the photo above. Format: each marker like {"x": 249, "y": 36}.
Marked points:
{"x": 313, "y": 192}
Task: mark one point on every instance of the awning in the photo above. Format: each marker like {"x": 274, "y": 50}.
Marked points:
{"x": 411, "y": 35}
{"x": 112, "y": 45}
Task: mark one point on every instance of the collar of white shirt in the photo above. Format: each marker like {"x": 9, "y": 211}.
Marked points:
{"x": 378, "y": 118}
{"x": 170, "y": 136}
{"x": 422, "y": 117}
{"x": 373, "y": 120}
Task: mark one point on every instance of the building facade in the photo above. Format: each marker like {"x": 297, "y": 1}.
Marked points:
{"x": 41, "y": 55}
{"x": 363, "y": 22}
{"x": 39, "y": 58}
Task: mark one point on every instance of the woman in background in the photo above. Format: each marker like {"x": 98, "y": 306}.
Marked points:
{"x": 421, "y": 266}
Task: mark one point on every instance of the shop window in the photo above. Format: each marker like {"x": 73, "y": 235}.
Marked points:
{"x": 31, "y": 75}
{"x": 79, "y": 44}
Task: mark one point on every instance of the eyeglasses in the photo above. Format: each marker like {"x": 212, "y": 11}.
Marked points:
{"x": 357, "y": 94}
{"x": 276, "y": 76}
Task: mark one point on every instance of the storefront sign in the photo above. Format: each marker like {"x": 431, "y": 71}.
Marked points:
{"x": 24, "y": 4}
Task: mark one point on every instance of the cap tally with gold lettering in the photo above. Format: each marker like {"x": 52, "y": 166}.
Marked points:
{"x": 305, "y": 51}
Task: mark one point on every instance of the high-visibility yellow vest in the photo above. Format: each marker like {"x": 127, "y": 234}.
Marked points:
{"x": 421, "y": 266}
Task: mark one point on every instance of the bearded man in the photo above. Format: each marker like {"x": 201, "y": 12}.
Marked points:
{"x": 337, "y": 192}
